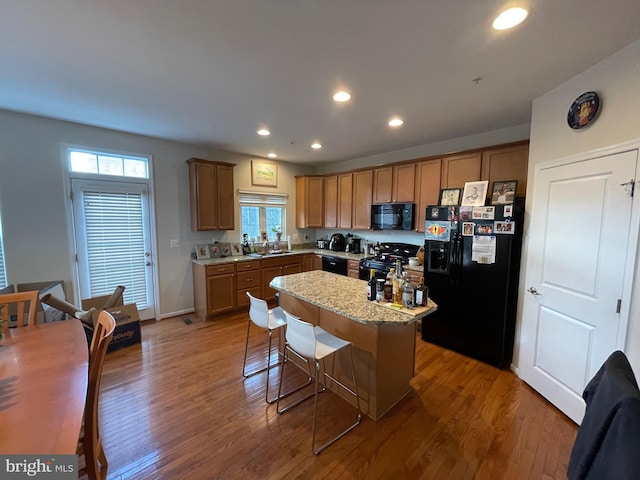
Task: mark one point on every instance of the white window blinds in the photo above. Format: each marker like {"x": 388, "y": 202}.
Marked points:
{"x": 115, "y": 244}
{"x": 3, "y": 272}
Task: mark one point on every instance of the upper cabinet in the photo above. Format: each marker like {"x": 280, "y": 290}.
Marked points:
{"x": 330, "y": 201}
{"x": 509, "y": 163}
{"x": 309, "y": 202}
{"x": 362, "y": 195}
{"x": 345, "y": 196}
{"x": 211, "y": 195}
{"x": 459, "y": 169}
{"x": 427, "y": 188}
{"x": 394, "y": 184}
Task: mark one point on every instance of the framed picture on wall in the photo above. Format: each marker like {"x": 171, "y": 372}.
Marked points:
{"x": 264, "y": 174}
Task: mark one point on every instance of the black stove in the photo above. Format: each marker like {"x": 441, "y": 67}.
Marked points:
{"x": 389, "y": 253}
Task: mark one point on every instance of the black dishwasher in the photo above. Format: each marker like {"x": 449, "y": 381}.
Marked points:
{"x": 334, "y": 264}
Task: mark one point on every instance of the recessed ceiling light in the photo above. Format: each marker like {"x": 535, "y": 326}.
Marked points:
{"x": 271, "y": 155}
{"x": 510, "y": 18}
{"x": 395, "y": 122}
{"x": 316, "y": 145}
{"x": 264, "y": 132}
{"x": 341, "y": 96}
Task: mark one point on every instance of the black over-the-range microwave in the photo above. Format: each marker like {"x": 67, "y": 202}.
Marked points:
{"x": 392, "y": 216}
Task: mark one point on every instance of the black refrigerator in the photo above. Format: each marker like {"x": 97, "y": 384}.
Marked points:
{"x": 471, "y": 266}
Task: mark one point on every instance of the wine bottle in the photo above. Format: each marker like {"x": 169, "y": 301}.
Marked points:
{"x": 371, "y": 286}
{"x": 421, "y": 294}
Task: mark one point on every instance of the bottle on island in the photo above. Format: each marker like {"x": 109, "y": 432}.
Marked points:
{"x": 421, "y": 294}
{"x": 388, "y": 286}
{"x": 407, "y": 292}
{"x": 371, "y": 286}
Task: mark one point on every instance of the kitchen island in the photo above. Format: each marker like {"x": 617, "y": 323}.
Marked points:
{"x": 383, "y": 338}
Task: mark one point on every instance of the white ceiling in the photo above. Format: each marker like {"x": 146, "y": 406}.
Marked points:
{"x": 211, "y": 72}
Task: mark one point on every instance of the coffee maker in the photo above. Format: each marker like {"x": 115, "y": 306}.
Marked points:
{"x": 353, "y": 244}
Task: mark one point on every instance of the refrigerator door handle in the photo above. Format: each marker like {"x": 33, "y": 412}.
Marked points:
{"x": 452, "y": 261}
{"x": 458, "y": 259}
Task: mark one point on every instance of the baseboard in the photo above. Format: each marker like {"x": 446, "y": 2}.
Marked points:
{"x": 176, "y": 313}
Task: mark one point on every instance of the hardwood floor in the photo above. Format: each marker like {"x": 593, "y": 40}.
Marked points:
{"x": 177, "y": 407}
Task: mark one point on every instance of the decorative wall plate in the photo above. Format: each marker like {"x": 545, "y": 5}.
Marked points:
{"x": 583, "y": 110}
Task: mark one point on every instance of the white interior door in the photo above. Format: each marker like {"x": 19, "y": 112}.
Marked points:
{"x": 579, "y": 242}
{"x": 113, "y": 241}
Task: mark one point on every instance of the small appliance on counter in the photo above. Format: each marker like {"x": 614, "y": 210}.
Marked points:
{"x": 353, "y": 244}
{"x": 321, "y": 244}
{"x": 337, "y": 242}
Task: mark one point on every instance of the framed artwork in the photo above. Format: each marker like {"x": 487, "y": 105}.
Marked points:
{"x": 475, "y": 193}
{"x": 214, "y": 249}
{"x": 450, "y": 196}
{"x": 504, "y": 193}
{"x": 236, "y": 249}
{"x": 202, "y": 252}
{"x": 225, "y": 249}
{"x": 264, "y": 174}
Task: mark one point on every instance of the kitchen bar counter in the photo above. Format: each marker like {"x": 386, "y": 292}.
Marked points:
{"x": 247, "y": 258}
{"x": 383, "y": 339}
{"x": 345, "y": 296}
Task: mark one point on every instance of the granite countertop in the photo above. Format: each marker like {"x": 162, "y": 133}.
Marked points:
{"x": 345, "y": 296}
{"x": 247, "y": 258}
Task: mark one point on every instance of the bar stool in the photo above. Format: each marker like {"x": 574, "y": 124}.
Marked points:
{"x": 271, "y": 320}
{"x": 313, "y": 344}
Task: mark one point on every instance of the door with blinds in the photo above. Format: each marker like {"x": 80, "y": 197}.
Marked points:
{"x": 113, "y": 247}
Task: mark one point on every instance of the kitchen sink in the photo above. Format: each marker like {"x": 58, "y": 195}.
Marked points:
{"x": 270, "y": 254}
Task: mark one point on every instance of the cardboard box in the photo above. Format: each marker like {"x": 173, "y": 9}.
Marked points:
{"x": 127, "y": 330}
{"x": 46, "y": 313}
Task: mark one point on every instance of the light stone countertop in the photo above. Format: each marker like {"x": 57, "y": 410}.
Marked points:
{"x": 247, "y": 258}
{"x": 345, "y": 296}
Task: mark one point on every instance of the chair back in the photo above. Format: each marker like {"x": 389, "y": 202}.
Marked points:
{"x": 300, "y": 336}
{"x": 103, "y": 333}
{"x": 23, "y": 304}
{"x": 258, "y": 311}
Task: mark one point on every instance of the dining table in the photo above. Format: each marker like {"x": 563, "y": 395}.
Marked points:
{"x": 43, "y": 388}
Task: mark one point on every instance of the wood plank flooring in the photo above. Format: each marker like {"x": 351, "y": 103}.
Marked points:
{"x": 177, "y": 407}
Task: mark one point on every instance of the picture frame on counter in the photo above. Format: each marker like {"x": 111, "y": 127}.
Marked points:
{"x": 450, "y": 196}
{"x": 236, "y": 249}
{"x": 475, "y": 193}
{"x": 264, "y": 174}
{"x": 214, "y": 249}
{"x": 504, "y": 193}
{"x": 225, "y": 249}
{"x": 202, "y": 252}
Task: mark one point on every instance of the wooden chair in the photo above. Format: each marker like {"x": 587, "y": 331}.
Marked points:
{"x": 25, "y": 304}
{"x": 91, "y": 443}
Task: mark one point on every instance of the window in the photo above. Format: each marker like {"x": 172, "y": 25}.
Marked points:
{"x": 262, "y": 213}
{"x": 3, "y": 272}
{"x": 82, "y": 161}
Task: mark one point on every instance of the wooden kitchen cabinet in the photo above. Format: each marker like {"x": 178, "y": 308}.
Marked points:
{"x": 331, "y": 201}
{"x": 353, "y": 268}
{"x": 214, "y": 289}
{"x": 459, "y": 169}
{"x": 274, "y": 267}
{"x": 309, "y": 202}
{"x": 345, "y": 197}
{"x": 248, "y": 279}
{"x": 427, "y": 189}
{"x": 509, "y": 163}
{"x": 362, "y": 197}
{"x": 308, "y": 262}
{"x": 394, "y": 184}
{"x": 211, "y": 195}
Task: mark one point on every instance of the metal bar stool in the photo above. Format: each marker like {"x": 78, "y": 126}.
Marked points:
{"x": 313, "y": 344}
{"x": 271, "y": 320}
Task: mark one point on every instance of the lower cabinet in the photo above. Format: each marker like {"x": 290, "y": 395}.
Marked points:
{"x": 214, "y": 289}
{"x": 275, "y": 267}
{"x": 248, "y": 280}
{"x": 353, "y": 268}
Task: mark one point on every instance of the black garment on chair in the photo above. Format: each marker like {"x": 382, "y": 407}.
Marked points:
{"x": 608, "y": 442}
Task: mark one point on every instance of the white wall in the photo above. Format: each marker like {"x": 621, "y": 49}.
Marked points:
{"x": 32, "y": 203}
{"x": 617, "y": 81}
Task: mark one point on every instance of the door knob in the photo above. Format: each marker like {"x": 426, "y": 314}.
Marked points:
{"x": 533, "y": 291}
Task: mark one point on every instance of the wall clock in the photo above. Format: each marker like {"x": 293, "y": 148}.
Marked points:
{"x": 583, "y": 110}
